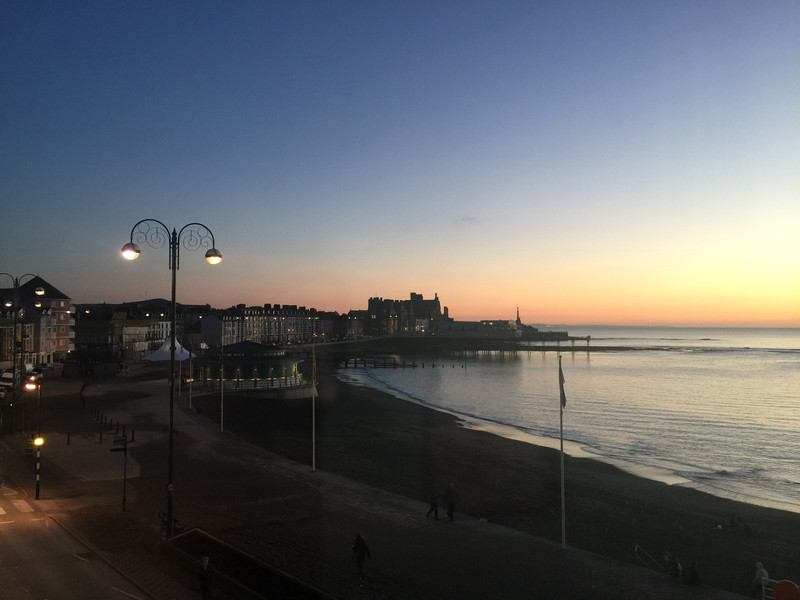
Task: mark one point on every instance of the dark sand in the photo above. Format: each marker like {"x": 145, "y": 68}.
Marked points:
{"x": 407, "y": 449}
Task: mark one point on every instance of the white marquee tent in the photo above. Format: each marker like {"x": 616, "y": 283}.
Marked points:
{"x": 162, "y": 353}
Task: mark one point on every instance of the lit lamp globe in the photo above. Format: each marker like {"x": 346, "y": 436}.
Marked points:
{"x": 39, "y": 291}
{"x": 131, "y": 251}
{"x": 39, "y": 441}
{"x": 213, "y": 256}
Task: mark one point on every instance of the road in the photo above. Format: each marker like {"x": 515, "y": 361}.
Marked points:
{"x": 40, "y": 561}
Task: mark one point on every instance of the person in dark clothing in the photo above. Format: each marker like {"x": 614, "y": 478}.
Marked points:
{"x": 83, "y": 387}
{"x": 360, "y": 551}
{"x": 205, "y": 575}
{"x": 433, "y": 498}
{"x": 689, "y": 574}
{"x": 450, "y": 500}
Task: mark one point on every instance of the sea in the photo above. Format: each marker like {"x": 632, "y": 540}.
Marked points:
{"x": 717, "y": 409}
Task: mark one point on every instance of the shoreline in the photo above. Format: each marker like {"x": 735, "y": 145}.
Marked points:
{"x": 654, "y": 473}
{"x": 406, "y": 448}
{"x": 662, "y": 474}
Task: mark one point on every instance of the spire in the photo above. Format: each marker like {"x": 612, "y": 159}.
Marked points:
{"x": 519, "y": 322}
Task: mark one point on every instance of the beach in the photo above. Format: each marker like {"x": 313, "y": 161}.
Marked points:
{"x": 407, "y": 449}
{"x": 377, "y": 458}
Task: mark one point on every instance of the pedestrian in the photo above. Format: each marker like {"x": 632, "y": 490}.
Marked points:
{"x": 205, "y": 575}
{"x": 450, "y": 500}
{"x": 671, "y": 565}
{"x": 360, "y": 552}
{"x": 760, "y": 581}
{"x": 433, "y": 498}
{"x": 83, "y": 387}
{"x": 689, "y": 574}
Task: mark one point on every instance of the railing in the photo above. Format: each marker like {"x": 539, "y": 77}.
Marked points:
{"x": 784, "y": 588}
{"x": 275, "y": 383}
{"x": 766, "y": 590}
{"x": 177, "y": 526}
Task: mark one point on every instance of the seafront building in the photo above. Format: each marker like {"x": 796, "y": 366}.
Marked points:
{"x": 272, "y": 325}
{"x": 36, "y": 324}
{"x": 409, "y": 317}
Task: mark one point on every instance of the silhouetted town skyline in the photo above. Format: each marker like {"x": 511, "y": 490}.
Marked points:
{"x": 50, "y": 327}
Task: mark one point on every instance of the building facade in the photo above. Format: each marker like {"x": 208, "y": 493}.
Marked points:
{"x": 414, "y": 316}
{"x": 273, "y": 325}
{"x": 36, "y": 324}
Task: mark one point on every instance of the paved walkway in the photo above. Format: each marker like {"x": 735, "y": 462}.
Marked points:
{"x": 299, "y": 521}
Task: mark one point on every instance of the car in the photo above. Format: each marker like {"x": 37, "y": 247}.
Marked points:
{"x": 7, "y": 379}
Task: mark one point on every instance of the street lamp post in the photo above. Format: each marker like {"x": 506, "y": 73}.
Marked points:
{"x": 32, "y": 385}
{"x": 121, "y": 444}
{"x": 192, "y": 236}
{"x": 38, "y": 442}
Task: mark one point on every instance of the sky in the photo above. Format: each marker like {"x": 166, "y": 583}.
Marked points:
{"x": 586, "y": 162}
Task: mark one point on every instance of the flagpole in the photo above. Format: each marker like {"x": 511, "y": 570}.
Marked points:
{"x": 313, "y": 407}
{"x": 561, "y": 403}
{"x": 222, "y": 389}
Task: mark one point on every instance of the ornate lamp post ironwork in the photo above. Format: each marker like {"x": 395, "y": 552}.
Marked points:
{"x": 192, "y": 236}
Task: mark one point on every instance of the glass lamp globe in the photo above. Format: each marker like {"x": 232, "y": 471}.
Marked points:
{"x": 131, "y": 251}
{"x": 213, "y": 256}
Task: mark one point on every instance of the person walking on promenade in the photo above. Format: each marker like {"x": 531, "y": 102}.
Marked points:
{"x": 450, "y": 500}
{"x": 360, "y": 551}
{"x": 205, "y": 575}
{"x": 760, "y": 581}
{"x": 83, "y": 387}
{"x": 433, "y": 498}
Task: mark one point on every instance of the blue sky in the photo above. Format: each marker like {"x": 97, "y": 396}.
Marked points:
{"x": 589, "y": 162}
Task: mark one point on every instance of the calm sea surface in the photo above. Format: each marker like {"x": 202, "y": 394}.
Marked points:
{"x": 715, "y": 409}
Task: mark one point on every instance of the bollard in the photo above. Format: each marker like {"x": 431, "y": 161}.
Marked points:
{"x": 68, "y": 434}
{"x": 133, "y": 434}
{"x": 101, "y": 436}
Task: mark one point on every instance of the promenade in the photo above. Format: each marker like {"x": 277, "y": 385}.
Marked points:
{"x": 300, "y": 521}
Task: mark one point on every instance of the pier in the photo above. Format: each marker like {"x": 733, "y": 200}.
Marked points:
{"x": 377, "y": 362}
{"x": 570, "y": 338}
{"x": 387, "y": 353}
